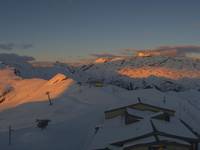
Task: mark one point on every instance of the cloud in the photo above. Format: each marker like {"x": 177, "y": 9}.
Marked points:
{"x": 166, "y": 50}
{"x": 6, "y": 46}
{"x": 12, "y": 46}
{"x": 103, "y": 55}
{"x": 128, "y": 51}
{"x": 4, "y": 57}
{"x": 178, "y": 50}
{"x": 27, "y": 46}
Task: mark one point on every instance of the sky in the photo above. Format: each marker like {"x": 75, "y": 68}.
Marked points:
{"x": 74, "y": 29}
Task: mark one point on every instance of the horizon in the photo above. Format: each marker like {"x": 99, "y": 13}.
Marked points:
{"x": 69, "y": 30}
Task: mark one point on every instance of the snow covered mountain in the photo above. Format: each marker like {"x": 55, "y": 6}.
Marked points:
{"x": 164, "y": 73}
{"x": 81, "y": 96}
{"x": 27, "y": 67}
{"x": 132, "y": 73}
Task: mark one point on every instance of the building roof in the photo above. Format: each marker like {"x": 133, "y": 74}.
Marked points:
{"x": 143, "y": 114}
{"x": 144, "y": 131}
{"x": 140, "y": 103}
{"x": 173, "y": 127}
{"x": 109, "y": 135}
{"x": 169, "y": 139}
{"x": 149, "y": 139}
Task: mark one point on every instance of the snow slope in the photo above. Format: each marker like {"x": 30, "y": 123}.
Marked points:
{"x": 75, "y": 113}
{"x": 78, "y": 108}
{"x": 15, "y": 90}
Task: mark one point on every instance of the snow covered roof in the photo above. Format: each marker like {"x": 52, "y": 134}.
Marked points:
{"x": 174, "y": 127}
{"x": 152, "y": 139}
{"x": 149, "y": 139}
{"x": 143, "y": 132}
{"x": 109, "y": 135}
{"x": 143, "y": 108}
{"x": 168, "y": 139}
{"x": 139, "y": 113}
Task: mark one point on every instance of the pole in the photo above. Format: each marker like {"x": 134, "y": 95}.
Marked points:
{"x": 9, "y": 134}
{"x": 50, "y": 103}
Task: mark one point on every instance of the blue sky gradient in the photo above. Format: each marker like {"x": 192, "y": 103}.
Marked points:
{"x": 74, "y": 29}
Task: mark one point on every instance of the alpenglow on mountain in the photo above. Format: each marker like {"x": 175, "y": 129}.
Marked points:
{"x": 164, "y": 73}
